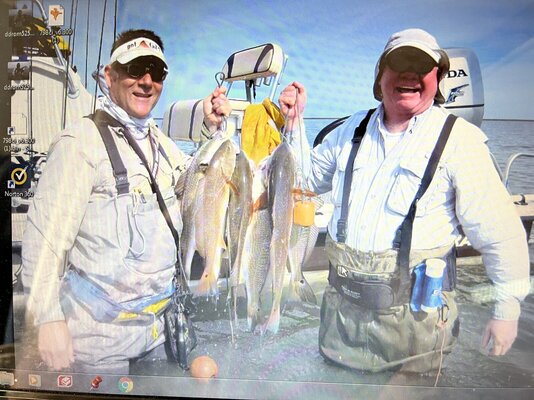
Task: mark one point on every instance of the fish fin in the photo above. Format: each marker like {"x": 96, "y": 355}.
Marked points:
{"x": 233, "y": 187}
{"x": 179, "y": 188}
{"x": 221, "y": 244}
{"x": 261, "y": 202}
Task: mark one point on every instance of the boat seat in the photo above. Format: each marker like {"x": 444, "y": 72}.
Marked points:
{"x": 253, "y": 63}
{"x": 183, "y": 119}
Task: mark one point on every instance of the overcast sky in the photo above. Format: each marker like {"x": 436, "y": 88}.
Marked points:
{"x": 332, "y": 45}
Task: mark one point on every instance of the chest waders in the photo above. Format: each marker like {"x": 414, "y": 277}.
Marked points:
{"x": 179, "y": 330}
{"x": 175, "y": 302}
{"x": 366, "y": 321}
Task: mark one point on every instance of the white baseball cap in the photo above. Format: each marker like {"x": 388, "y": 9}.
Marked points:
{"x": 135, "y": 48}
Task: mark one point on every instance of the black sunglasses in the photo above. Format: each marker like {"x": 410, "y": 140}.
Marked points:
{"x": 404, "y": 60}
{"x": 137, "y": 70}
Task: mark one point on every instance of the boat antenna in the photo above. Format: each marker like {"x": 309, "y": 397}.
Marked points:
{"x": 87, "y": 39}
{"x": 100, "y": 48}
{"x": 69, "y": 61}
{"x": 73, "y": 11}
{"x": 115, "y": 22}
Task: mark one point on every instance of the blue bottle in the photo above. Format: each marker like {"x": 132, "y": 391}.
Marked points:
{"x": 417, "y": 290}
{"x": 433, "y": 281}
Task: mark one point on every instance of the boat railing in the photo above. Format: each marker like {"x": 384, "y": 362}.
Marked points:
{"x": 511, "y": 160}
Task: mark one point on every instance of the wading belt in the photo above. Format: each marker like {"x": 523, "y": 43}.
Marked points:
{"x": 103, "y": 121}
{"x": 399, "y": 289}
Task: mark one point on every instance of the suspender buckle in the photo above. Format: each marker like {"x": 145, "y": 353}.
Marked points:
{"x": 122, "y": 184}
{"x": 341, "y": 231}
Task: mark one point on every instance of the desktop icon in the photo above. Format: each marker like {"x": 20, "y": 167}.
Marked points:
{"x": 19, "y": 176}
{"x": 34, "y": 380}
{"x": 95, "y": 383}
{"x": 56, "y": 15}
{"x": 7, "y": 378}
{"x": 125, "y": 385}
{"x": 64, "y": 381}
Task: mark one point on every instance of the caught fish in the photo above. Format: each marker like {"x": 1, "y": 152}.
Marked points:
{"x": 187, "y": 191}
{"x": 281, "y": 179}
{"x": 301, "y": 245}
{"x": 256, "y": 264}
{"x": 210, "y": 216}
{"x": 239, "y": 214}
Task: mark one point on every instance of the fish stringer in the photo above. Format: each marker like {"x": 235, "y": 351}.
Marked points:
{"x": 303, "y": 207}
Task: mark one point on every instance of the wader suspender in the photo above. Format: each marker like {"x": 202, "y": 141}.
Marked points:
{"x": 356, "y": 140}
{"x": 403, "y": 237}
{"x": 404, "y": 233}
{"x": 102, "y": 121}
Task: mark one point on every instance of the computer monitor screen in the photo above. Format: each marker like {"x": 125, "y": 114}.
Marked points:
{"x": 215, "y": 285}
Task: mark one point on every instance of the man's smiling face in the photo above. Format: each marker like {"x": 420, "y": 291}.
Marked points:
{"x": 408, "y": 93}
{"x": 135, "y": 96}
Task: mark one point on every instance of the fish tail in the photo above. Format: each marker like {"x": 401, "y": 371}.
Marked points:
{"x": 273, "y": 323}
{"x": 207, "y": 286}
{"x": 253, "y": 317}
{"x": 302, "y": 289}
{"x": 188, "y": 258}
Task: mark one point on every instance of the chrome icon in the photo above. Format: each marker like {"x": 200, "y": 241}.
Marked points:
{"x": 125, "y": 385}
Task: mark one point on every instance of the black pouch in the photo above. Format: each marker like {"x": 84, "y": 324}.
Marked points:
{"x": 180, "y": 337}
{"x": 371, "y": 294}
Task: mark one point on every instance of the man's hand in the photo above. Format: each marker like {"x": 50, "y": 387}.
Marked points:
{"x": 502, "y": 333}
{"x": 55, "y": 345}
{"x": 292, "y": 102}
{"x": 216, "y": 106}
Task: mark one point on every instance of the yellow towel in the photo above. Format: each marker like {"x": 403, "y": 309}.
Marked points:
{"x": 258, "y": 137}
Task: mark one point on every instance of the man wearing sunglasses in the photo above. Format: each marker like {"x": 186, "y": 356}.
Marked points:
{"x": 384, "y": 225}
{"x": 98, "y": 255}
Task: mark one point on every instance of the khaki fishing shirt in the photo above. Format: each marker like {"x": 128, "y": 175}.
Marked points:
{"x": 466, "y": 191}
{"x": 121, "y": 243}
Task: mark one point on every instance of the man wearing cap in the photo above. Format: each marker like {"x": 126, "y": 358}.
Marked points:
{"x": 98, "y": 255}
{"x": 371, "y": 316}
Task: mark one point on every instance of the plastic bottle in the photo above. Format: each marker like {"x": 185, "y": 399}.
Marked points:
{"x": 433, "y": 281}
{"x": 415, "y": 301}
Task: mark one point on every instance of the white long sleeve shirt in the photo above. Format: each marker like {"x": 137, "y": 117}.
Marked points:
{"x": 65, "y": 223}
{"x": 466, "y": 190}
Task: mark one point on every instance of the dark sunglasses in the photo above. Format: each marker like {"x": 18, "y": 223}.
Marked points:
{"x": 137, "y": 70}
{"x": 410, "y": 60}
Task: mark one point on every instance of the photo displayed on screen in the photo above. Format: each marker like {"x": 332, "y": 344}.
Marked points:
{"x": 271, "y": 200}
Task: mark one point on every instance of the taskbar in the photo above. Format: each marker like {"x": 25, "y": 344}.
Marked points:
{"x": 59, "y": 385}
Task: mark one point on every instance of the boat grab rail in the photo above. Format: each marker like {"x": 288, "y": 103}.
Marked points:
{"x": 508, "y": 168}
{"x": 73, "y": 91}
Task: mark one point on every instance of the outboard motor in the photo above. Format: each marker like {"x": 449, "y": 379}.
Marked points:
{"x": 462, "y": 87}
